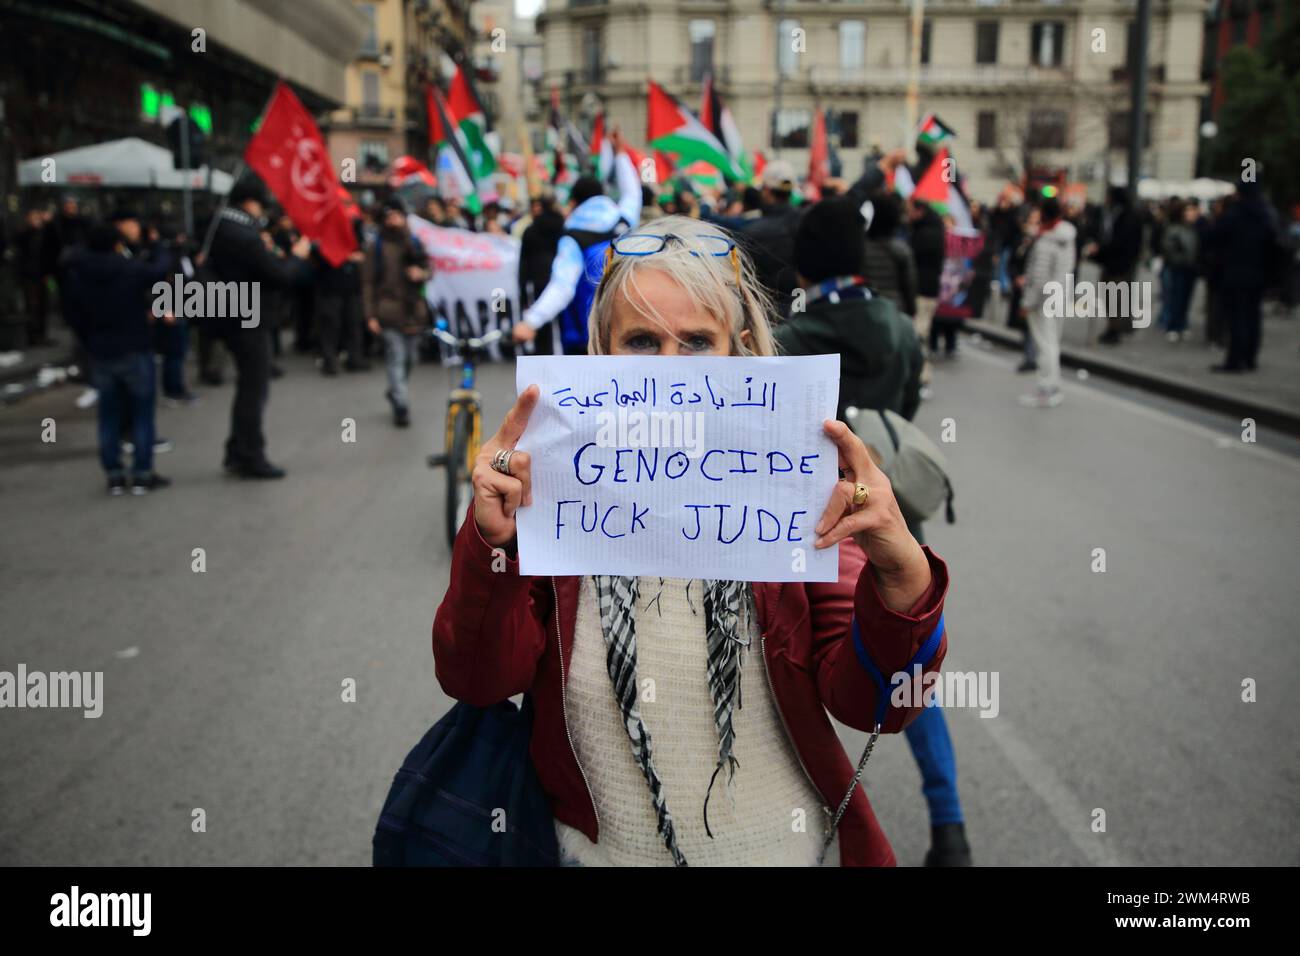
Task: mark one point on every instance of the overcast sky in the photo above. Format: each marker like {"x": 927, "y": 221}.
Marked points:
{"x": 527, "y": 8}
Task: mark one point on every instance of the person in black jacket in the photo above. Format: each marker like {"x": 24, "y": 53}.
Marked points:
{"x": 106, "y": 293}
{"x": 1247, "y": 238}
{"x": 29, "y": 245}
{"x": 770, "y": 238}
{"x": 537, "y": 249}
{"x": 928, "y": 247}
{"x": 889, "y": 265}
{"x": 1117, "y": 253}
{"x": 338, "y": 309}
{"x": 239, "y": 254}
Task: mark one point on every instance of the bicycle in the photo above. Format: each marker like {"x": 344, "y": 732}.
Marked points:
{"x": 464, "y": 431}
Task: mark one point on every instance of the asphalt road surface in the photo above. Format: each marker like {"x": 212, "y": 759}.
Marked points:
{"x": 1118, "y": 691}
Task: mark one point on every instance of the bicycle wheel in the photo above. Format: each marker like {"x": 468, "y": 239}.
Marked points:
{"x": 460, "y": 430}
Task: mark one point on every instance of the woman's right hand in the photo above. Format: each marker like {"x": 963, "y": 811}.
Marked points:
{"x": 496, "y": 496}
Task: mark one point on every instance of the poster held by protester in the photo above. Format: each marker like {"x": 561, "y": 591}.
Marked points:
{"x": 960, "y": 296}
{"x": 475, "y": 283}
{"x": 696, "y": 467}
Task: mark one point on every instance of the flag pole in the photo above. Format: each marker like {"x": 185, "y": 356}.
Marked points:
{"x": 913, "y": 76}
{"x": 240, "y": 167}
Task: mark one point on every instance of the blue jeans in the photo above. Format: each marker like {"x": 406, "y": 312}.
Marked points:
{"x": 175, "y": 343}
{"x": 126, "y": 386}
{"x": 1176, "y": 285}
{"x": 932, "y": 750}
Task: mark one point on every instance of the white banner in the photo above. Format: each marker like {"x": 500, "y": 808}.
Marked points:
{"x": 475, "y": 284}
{"x": 695, "y": 467}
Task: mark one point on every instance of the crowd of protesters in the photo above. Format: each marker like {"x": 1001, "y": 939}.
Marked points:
{"x": 371, "y": 304}
{"x": 855, "y": 271}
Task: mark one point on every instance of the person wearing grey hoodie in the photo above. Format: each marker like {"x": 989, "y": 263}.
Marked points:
{"x": 1051, "y": 260}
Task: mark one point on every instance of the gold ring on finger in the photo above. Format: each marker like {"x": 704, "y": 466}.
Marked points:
{"x": 861, "y": 493}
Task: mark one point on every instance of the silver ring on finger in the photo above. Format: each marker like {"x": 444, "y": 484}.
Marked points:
{"x": 501, "y": 462}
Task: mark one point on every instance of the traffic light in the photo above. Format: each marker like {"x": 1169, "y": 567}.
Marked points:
{"x": 184, "y": 126}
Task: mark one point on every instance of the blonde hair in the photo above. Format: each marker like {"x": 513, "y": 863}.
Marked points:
{"x": 710, "y": 280}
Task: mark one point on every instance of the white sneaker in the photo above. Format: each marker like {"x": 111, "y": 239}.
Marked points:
{"x": 1173, "y": 336}
{"x": 88, "y": 398}
{"x": 1042, "y": 398}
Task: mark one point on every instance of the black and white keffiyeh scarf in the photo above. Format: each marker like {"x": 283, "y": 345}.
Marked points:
{"x": 727, "y": 615}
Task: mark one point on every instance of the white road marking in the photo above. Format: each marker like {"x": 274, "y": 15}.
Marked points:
{"x": 1070, "y": 814}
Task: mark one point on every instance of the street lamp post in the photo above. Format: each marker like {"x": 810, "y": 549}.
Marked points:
{"x": 1137, "y": 107}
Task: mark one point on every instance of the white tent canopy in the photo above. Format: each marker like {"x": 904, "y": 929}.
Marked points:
{"x": 1203, "y": 189}
{"x": 124, "y": 163}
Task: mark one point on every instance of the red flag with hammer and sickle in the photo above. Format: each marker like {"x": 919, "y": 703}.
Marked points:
{"x": 289, "y": 153}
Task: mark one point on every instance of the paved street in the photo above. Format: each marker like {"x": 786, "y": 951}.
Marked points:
{"x": 1119, "y": 691}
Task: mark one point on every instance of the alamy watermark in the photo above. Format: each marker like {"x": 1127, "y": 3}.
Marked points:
{"x": 632, "y": 428}
{"x": 946, "y": 689}
{"x": 55, "y": 689}
{"x": 209, "y": 300}
{"x": 75, "y": 908}
{"x": 1092, "y": 300}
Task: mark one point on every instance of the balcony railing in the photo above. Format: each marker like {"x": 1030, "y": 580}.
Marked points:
{"x": 976, "y": 75}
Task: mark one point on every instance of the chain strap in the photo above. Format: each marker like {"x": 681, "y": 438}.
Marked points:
{"x": 844, "y": 804}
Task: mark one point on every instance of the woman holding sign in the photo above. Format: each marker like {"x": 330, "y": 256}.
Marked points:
{"x": 639, "y": 737}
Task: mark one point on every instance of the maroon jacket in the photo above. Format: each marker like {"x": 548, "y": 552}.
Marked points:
{"x": 497, "y": 634}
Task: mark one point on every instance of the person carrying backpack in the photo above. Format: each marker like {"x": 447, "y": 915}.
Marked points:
{"x": 594, "y": 220}
{"x": 880, "y": 369}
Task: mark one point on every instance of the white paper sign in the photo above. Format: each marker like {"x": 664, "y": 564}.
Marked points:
{"x": 693, "y": 467}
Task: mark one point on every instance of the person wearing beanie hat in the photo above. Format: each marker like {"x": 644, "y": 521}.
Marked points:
{"x": 831, "y": 241}
{"x": 835, "y": 310}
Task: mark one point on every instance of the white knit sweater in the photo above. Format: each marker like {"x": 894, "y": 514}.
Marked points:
{"x": 776, "y": 818}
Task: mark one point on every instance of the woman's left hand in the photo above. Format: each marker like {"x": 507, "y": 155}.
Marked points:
{"x": 900, "y": 566}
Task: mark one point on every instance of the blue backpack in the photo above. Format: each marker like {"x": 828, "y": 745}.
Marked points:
{"x": 573, "y": 320}
{"x": 468, "y": 795}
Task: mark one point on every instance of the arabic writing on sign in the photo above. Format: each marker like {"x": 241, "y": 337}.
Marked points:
{"x": 644, "y": 392}
{"x": 695, "y": 469}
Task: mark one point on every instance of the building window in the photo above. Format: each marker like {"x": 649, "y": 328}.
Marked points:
{"x": 1047, "y": 43}
{"x": 853, "y": 39}
{"x": 846, "y": 124}
{"x": 370, "y": 94}
{"x": 986, "y": 130}
{"x": 790, "y": 128}
{"x": 591, "y": 54}
{"x": 986, "y": 41}
{"x": 1118, "y": 137}
{"x": 701, "y": 33}
{"x": 1047, "y": 129}
{"x": 926, "y": 26}
{"x": 374, "y": 155}
{"x": 370, "y": 42}
{"x": 787, "y": 60}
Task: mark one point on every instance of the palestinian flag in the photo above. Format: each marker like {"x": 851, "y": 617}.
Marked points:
{"x": 931, "y": 188}
{"x": 449, "y": 145}
{"x": 933, "y": 131}
{"x": 717, "y": 119}
{"x": 672, "y": 128}
{"x": 468, "y": 115}
{"x": 601, "y": 151}
{"x": 945, "y": 197}
{"x": 702, "y": 174}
